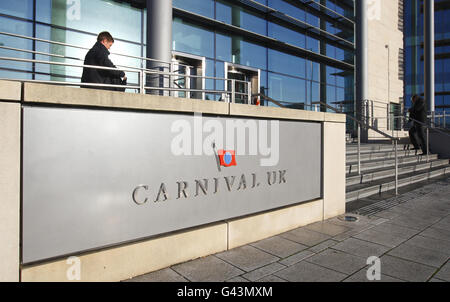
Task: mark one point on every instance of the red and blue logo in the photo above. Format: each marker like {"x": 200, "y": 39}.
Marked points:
{"x": 227, "y": 158}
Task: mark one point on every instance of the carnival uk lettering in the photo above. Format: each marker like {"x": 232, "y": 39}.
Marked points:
{"x": 206, "y": 186}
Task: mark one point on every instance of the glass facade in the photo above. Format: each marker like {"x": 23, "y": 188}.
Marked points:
{"x": 414, "y": 52}
{"x": 277, "y": 37}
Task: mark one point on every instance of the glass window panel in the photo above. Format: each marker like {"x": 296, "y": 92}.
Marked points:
{"x": 263, "y": 82}
{"x": 17, "y": 8}
{"x": 314, "y": 96}
{"x": 286, "y": 35}
{"x": 220, "y": 73}
{"x": 340, "y": 94}
{"x": 223, "y": 47}
{"x": 7, "y": 67}
{"x": 223, "y": 12}
{"x": 285, "y": 88}
{"x": 313, "y": 74}
{"x": 288, "y": 9}
{"x": 192, "y": 39}
{"x": 313, "y": 20}
{"x": 312, "y": 44}
{"x": 331, "y": 96}
{"x": 120, "y": 19}
{"x": 331, "y": 51}
{"x": 201, "y": 7}
{"x": 331, "y": 77}
{"x": 209, "y": 83}
{"x": 253, "y": 23}
{"x": 248, "y": 54}
{"x": 340, "y": 77}
{"x": 285, "y": 63}
{"x": 446, "y": 101}
{"x": 446, "y": 77}
{"x": 237, "y": 16}
{"x": 340, "y": 54}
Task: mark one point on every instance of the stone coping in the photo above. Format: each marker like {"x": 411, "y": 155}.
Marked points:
{"x": 64, "y": 95}
{"x": 10, "y": 91}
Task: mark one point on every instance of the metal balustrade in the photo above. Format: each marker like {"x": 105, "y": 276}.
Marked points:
{"x": 167, "y": 73}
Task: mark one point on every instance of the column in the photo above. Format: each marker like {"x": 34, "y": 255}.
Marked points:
{"x": 159, "y": 41}
{"x": 361, "y": 68}
{"x": 429, "y": 52}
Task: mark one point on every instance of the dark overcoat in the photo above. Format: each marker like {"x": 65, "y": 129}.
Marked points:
{"x": 98, "y": 56}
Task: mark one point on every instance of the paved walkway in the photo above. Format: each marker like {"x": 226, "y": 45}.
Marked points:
{"x": 410, "y": 234}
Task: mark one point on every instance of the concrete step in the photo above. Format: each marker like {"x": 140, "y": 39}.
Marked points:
{"x": 381, "y": 154}
{"x": 375, "y": 174}
{"x": 358, "y": 191}
{"x": 379, "y": 163}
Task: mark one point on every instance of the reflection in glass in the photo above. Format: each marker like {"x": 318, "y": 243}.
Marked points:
{"x": 192, "y": 39}
{"x": 120, "y": 19}
{"x": 11, "y": 69}
{"x": 287, "y": 64}
{"x": 201, "y": 7}
{"x": 286, "y": 35}
{"x": 237, "y": 16}
{"x": 223, "y": 47}
{"x": 17, "y": 8}
{"x": 285, "y": 88}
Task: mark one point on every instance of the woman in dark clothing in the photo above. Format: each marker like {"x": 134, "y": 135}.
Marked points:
{"x": 418, "y": 112}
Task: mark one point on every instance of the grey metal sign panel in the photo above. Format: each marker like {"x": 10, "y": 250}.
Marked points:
{"x": 94, "y": 178}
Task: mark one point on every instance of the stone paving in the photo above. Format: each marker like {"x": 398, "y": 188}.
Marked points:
{"x": 411, "y": 239}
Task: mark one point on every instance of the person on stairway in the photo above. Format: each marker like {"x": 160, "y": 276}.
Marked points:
{"x": 418, "y": 115}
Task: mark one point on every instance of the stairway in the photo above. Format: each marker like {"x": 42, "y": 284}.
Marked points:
{"x": 378, "y": 169}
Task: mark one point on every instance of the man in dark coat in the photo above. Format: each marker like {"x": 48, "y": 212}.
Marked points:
{"x": 98, "y": 56}
{"x": 418, "y": 114}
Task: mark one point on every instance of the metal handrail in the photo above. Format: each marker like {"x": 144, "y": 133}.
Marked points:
{"x": 85, "y": 48}
{"x": 360, "y": 123}
{"x": 141, "y": 71}
{"x": 437, "y": 129}
{"x": 66, "y": 64}
{"x": 56, "y": 55}
{"x": 76, "y": 84}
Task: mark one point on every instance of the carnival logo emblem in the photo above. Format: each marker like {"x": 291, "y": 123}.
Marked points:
{"x": 227, "y": 158}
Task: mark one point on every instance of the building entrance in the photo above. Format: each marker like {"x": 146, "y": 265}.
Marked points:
{"x": 243, "y": 82}
{"x": 191, "y": 81}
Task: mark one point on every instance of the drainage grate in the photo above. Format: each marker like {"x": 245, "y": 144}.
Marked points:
{"x": 349, "y": 218}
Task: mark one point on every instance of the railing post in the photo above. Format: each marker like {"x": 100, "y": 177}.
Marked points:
{"x": 359, "y": 149}
{"x": 142, "y": 82}
{"x": 396, "y": 168}
{"x": 233, "y": 96}
{"x": 388, "y": 122}
{"x": 443, "y": 113}
{"x": 428, "y": 144}
{"x": 393, "y": 125}
{"x": 433, "y": 118}
{"x": 187, "y": 92}
{"x": 171, "y": 82}
{"x": 249, "y": 92}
